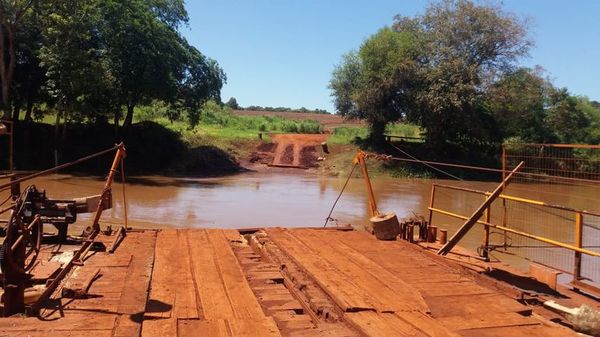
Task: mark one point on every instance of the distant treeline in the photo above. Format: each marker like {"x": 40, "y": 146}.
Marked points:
{"x": 233, "y": 104}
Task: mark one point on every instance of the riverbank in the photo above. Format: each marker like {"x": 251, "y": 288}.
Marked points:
{"x": 226, "y": 142}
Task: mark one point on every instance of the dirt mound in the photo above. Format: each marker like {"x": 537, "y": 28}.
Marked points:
{"x": 308, "y": 157}
{"x": 287, "y": 157}
{"x": 297, "y": 142}
{"x": 300, "y": 150}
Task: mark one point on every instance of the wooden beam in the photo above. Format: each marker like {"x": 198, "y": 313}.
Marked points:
{"x": 466, "y": 227}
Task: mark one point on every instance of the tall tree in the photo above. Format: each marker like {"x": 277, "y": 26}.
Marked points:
{"x": 467, "y": 48}
{"x": 11, "y": 17}
{"x": 202, "y": 81}
{"x": 146, "y": 55}
{"x": 376, "y": 83}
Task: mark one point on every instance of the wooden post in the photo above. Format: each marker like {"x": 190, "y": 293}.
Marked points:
{"x": 579, "y": 244}
{"x": 466, "y": 227}
{"x": 431, "y": 234}
{"x": 443, "y": 236}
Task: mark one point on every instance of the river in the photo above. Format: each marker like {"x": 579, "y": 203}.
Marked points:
{"x": 295, "y": 200}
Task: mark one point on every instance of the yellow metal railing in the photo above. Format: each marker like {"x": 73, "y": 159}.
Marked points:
{"x": 576, "y": 216}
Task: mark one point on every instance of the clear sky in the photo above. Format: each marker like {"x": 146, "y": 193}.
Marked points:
{"x": 282, "y": 52}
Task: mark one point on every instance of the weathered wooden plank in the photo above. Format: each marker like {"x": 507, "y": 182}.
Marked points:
{"x": 71, "y": 322}
{"x": 185, "y": 293}
{"x": 522, "y": 331}
{"x": 342, "y": 291}
{"x": 232, "y": 234}
{"x": 389, "y": 292}
{"x": 160, "y": 327}
{"x": 213, "y": 328}
{"x": 371, "y": 323}
{"x": 241, "y": 297}
{"x": 136, "y": 287}
{"x": 448, "y": 288}
{"x": 162, "y": 291}
{"x": 265, "y": 327}
{"x": 228, "y": 328}
{"x": 460, "y": 305}
{"x": 137, "y": 282}
{"x": 172, "y": 283}
{"x": 487, "y": 320}
{"x": 214, "y": 299}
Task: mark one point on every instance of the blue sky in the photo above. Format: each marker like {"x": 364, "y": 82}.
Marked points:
{"x": 282, "y": 53}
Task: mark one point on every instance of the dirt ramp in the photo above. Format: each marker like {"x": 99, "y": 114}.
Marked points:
{"x": 296, "y": 150}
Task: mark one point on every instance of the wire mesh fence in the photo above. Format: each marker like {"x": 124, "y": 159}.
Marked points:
{"x": 531, "y": 230}
{"x": 554, "y": 163}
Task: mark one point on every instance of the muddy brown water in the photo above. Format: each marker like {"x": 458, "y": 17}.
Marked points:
{"x": 297, "y": 200}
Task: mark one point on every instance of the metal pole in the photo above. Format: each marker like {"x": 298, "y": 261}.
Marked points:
{"x": 486, "y": 232}
{"x": 462, "y": 231}
{"x": 579, "y": 244}
{"x": 360, "y": 158}
{"x": 107, "y": 186}
{"x": 431, "y": 202}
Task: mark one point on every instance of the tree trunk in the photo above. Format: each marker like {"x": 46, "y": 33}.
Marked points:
{"x": 377, "y": 135}
{"x": 17, "y": 111}
{"x": 129, "y": 117}
{"x": 29, "y": 111}
{"x": 116, "y": 122}
{"x": 56, "y": 136}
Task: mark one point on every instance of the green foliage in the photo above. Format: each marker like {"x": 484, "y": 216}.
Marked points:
{"x": 372, "y": 84}
{"x": 518, "y": 102}
{"x": 94, "y": 58}
{"x": 433, "y": 70}
{"x": 232, "y": 103}
{"x": 529, "y": 108}
{"x": 215, "y": 115}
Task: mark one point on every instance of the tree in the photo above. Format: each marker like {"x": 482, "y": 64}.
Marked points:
{"x": 518, "y": 103}
{"x": 434, "y": 70}
{"x": 233, "y": 104}
{"x": 202, "y": 81}
{"x": 146, "y": 55}
{"x": 568, "y": 122}
{"x": 467, "y": 47}
{"x": 11, "y": 17}
{"x": 376, "y": 83}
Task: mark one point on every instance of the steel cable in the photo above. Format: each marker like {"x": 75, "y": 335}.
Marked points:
{"x": 340, "y": 195}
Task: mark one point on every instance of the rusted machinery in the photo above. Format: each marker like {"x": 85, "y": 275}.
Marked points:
{"x": 24, "y": 233}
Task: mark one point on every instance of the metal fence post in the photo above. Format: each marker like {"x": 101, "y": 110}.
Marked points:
{"x": 579, "y": 244}
{"x": 486, "y": 233}
{"x": 431, "y": 201}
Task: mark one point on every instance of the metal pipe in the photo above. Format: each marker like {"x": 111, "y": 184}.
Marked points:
{"x": 527, "y": 235}
{"x": 431, "y": 202}
{"x": 518, "y": 199}
{"x": 109, "y": 180}
{"x": 578, "y": 243}
{"x": 462, "y": 231}
{"x": 360, "y": 158}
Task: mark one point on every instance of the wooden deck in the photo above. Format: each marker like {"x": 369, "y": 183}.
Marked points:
{"x": 279, "y": 282}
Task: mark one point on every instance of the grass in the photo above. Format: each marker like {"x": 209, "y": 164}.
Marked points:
{"x": 347, "y": 135}
{"x": 217, "y": 121}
